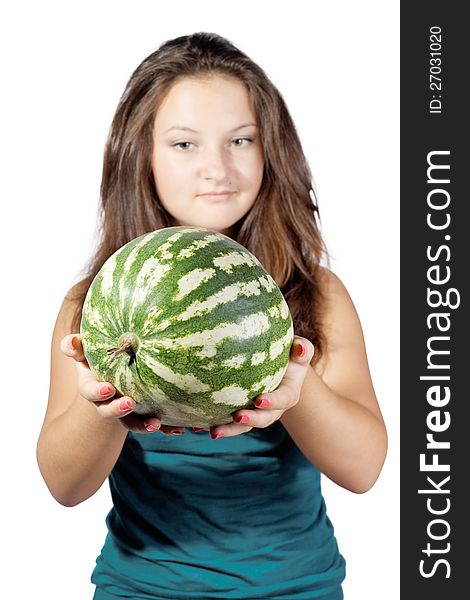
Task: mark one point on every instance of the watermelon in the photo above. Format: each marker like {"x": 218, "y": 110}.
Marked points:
{"x": 188, "y": 323}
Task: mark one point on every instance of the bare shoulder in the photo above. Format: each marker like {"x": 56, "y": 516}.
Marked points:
{"x": 331, "y": 283}
{"x": 344, "y": 365}
{"x": 339, "y": 316}
{"x": 69, "y": 305}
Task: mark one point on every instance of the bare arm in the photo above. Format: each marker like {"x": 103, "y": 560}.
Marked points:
{"x": 337, "y": 422}
{"x": 330, "y": 410}
{"x": 83, "y": 430}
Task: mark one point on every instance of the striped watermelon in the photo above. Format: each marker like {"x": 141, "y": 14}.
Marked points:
{"x": 188, "y": 323}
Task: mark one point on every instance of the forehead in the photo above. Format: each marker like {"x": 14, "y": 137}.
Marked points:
{"x": 211, "y": 99}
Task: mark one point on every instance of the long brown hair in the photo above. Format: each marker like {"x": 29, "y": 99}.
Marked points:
{"x": 281, "y": 227}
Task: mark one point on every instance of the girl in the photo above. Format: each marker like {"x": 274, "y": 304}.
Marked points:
{"x": 202, "y": 137}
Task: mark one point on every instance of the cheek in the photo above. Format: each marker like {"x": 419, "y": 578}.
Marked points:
{"x": 256, "y": 172}
{"x": 250, "y": 167}
{"x": 164, "y": 174}
{"x": 173, "y": 170}
{"x": 257, "y": 164}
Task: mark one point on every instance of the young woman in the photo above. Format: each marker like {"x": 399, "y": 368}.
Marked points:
{"x": 201, "y": 137}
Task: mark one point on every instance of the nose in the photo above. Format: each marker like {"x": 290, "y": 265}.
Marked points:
{"x": 215, "y": 164}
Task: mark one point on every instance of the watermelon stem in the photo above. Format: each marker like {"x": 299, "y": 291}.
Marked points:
{"x": 127, "y": 344}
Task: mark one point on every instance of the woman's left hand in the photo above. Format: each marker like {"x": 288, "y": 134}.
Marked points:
{"x": 272, "y": 405}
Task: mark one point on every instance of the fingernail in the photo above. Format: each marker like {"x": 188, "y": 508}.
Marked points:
{"x": 218, "y": 435}
{"x": 105, "y": 390}
{"x": 301, "y": 350}
{"x": 178, "y": 432}
{"x": 197, "y": 429}
{"x": 151, "y": 426}
{"x": 243, "y": 419}
{"x": 126, "y": 405}
{"x": 262, "y": 403}
{"x": 73, "y": 342}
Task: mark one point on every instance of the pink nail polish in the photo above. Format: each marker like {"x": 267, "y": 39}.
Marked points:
{"x": 216, "y": 436}
{"x": 125, "y": 405}
{"x": 151, "y": 427}
{"x": 243, "y": 419}
{"x": 262, "y": 403}
{"x": 73, "y": 342}
{"x": 105, "y": 390}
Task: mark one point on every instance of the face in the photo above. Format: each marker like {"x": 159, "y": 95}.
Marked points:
{"x": 207, "y": 157}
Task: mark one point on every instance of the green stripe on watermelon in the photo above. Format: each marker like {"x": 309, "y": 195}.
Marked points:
{"x": 188, "y": 323}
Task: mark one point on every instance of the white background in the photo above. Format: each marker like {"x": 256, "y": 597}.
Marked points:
{"x": 64, "y": 66}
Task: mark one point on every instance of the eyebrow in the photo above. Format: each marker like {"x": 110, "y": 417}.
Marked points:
{"x": 183, "y": 128}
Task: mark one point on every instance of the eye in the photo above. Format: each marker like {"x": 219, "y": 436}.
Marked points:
{"x": 182, "y": 145}
{"x": 241, "y": 139}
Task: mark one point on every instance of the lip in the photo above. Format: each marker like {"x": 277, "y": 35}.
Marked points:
{"x": 217, "y": 195}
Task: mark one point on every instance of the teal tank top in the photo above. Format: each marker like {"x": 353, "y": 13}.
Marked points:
{"x": 240, "y": 517}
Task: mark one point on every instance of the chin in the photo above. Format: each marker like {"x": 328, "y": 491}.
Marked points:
{"x": 225, "y": 227}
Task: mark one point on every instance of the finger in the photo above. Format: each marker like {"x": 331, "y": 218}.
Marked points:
{"x": 301, "y": 355}
{"x": 90, "y": 388}
{"x": 139, "y": 424}
{"x": 229, "y": 430}
{"x": 302, "y": 350}
{"x": 286, "y": 395}
{"x": 283, "y": 397}
{"x": 172, "y": 430}
{"x": 116, "y": 408}
{"x": 256, "y": 418}
{"x": 71, "y": 345}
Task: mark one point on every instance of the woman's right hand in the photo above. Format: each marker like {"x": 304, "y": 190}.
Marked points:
{"x": 107, "y": 400}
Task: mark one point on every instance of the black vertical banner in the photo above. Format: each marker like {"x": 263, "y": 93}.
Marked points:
{"x": 435, "y": 316}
